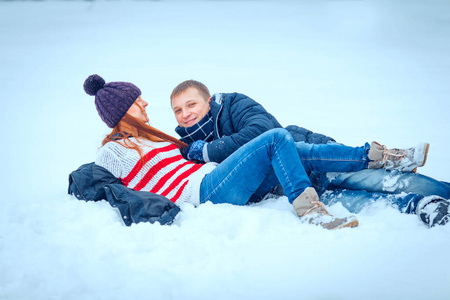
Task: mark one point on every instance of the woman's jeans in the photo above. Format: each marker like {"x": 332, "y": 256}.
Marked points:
{"x": 333, "y": 157}
{"x": 236, "y": 179}
{"x": 355, "y": 186}
{"x": 321, "y": 158}
{"x": 273, "y": 158}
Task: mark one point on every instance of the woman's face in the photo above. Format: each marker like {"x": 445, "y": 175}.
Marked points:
{"x": 137, "y": 110}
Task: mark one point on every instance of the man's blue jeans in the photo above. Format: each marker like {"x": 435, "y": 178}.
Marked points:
{"x": 237, "y": 178}
{"x": 356, "y": 190}
{"x": 356, "y": 200}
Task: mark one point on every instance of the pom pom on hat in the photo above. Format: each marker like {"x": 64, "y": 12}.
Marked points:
{"x": 112, "y": 99}
{"x": 93, "y": 84}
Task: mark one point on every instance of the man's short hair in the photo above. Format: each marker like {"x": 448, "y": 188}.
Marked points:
{"x": 203, "y": 90}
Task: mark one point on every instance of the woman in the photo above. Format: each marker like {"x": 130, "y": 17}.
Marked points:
{"x": 146, "y": 159}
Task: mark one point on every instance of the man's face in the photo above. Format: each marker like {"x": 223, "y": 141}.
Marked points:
{"x": 190, "y": 107}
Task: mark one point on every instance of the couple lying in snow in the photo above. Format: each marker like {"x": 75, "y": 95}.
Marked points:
{"x": 233, "y": 151}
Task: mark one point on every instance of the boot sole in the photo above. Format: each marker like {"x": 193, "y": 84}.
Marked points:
{"x": 351, "y": 224}
{"x": 425, "y": 154}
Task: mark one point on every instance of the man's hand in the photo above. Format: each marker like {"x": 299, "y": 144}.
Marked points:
{"x": 194, "y": 151}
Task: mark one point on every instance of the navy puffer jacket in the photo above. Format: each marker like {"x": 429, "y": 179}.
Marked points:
{"x": 239, "y": 119}
{"x": 301, "y": 134}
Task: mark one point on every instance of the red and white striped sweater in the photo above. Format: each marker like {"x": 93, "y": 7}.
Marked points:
{"x": 163, "y": 170}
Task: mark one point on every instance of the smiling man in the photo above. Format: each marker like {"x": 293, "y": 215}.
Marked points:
{"x": 215, "y": 127}
{"x": 220, "y": 124}
{"x": 191, "y": 106}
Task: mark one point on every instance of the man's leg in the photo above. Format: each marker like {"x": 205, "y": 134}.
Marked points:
{"x": 432, "y": 210}
{"x": 354, "y": 201}
{"x": 381, "y": 181}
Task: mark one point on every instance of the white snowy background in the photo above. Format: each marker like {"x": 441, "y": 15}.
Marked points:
{"x": 355, "y": 70}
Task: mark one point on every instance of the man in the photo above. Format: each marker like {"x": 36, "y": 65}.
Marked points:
{"x": 214, "y": 127}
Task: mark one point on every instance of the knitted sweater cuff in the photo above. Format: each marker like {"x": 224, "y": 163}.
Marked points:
{"x": 205, "y": 153}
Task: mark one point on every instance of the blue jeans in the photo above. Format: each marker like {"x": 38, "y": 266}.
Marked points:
{"x": 356, "y": 200}
{"x": 237, "y": 178}
{"x": 321, "y": 158}
{"x": 382, "y": 181}
{"x": 333, "y": 157}
{"x": 356, "y": 190}
{"x": 361, "y": 187}
{"x": 274, "y": 158}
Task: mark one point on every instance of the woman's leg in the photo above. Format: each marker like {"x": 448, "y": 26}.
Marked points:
{"x": 237, "y": 178}
{"x": 270, "y": 184}
{"x": 333, "y": 157}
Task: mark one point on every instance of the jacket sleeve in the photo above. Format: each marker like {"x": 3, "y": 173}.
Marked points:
{"x": 247, "y": 120}
{"x": 87, "y": 182}
{"x": 91, "y": 182}
{"x": 138, "y": 206}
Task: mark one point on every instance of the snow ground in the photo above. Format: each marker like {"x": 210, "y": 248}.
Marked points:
{"x": 354, "y": 70}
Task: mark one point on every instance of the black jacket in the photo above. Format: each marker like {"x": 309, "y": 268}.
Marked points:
{"x": 91, "y": 182}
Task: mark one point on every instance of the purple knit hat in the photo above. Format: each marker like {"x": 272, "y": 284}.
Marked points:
{"x": 112, "y": 99}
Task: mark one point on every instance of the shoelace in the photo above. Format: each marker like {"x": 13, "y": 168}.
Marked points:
{"x": 395, "y": 154}
{"x": 317, "y": 205}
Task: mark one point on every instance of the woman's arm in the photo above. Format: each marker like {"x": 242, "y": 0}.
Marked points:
{"x": 110, "y": 160}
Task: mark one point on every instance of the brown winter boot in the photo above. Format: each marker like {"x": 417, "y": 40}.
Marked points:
{"x": 405, "y": 160}
{"x": 308, "y": 207}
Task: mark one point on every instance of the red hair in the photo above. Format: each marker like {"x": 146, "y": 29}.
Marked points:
{"x": 143, "y": 130}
